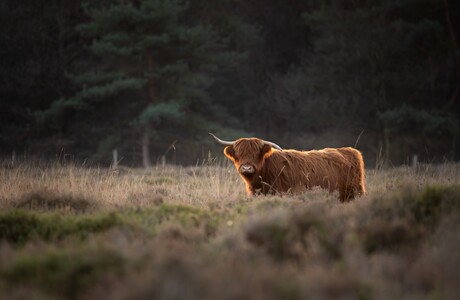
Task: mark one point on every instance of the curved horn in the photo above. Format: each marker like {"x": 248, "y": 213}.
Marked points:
{"x": 221, "y": 141}
{"x": 273, "y": 145}
{"x": 231, "y": 143}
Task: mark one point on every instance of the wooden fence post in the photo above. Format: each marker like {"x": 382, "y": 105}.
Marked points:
{"x": 414, "y": 161}
{"x": 114, "y": 159}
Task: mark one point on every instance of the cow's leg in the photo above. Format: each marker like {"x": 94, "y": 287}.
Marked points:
{"x": 346, "y": 194}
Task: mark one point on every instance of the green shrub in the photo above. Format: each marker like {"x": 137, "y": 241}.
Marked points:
{"x": 187, "y": 216}
{"x": 270, "y": 204}
{"x": 428, "y": 205}
{"x": 18, "y": 226}
{"x": 380, "y": 234}
{"x": 42, "y": 201}
{"x": 283, "y": 234}
{"x": 402, "y": 218}
{"x": 286, "y": 289}
{"x": 274, "y": 237}
{"x": 66, "y": 273}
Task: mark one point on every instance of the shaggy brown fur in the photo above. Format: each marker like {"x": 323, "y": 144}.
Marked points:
{"x": 292, "y": 171}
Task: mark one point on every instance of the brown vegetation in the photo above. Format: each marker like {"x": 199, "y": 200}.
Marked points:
{"x": 68, "y": 232}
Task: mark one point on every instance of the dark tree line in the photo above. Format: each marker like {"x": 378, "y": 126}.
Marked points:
{"x": 86, "y": 77}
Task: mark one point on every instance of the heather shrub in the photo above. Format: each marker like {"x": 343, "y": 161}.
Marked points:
{"x": 389, "y": 235}
{"x": 44, "y": 201}
{"x": 19, "y": 226}
{"x": 292, "y": 234}
{"x": 66, "y": 273}
{"x": 428, "y": 206}
{"x": 191, "y": 234}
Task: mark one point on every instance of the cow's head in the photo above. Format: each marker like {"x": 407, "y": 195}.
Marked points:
{"x": 248, "y": 154}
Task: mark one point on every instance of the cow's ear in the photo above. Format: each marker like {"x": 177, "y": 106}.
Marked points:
{"x": 229, "y": 152}
{"x": 266, "y": 150}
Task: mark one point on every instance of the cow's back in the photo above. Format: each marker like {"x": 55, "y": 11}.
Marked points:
{"x": 295, "y": 171}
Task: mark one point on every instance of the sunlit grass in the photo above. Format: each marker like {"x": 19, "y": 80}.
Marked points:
{"x": 121, "y": 187}
{"x": 70, "y": 231}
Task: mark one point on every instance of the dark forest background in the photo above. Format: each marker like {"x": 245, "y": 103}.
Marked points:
{"x": 151, "y": 78}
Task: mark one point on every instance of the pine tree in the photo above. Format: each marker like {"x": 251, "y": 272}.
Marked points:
{"x": 151, "y": 53}
{"x": 37, "y": 45}
{"x": 368, "y": 58}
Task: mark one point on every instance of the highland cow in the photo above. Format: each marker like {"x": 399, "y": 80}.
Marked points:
{"x": 268, "y": 169}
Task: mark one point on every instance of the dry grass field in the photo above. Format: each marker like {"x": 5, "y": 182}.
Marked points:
{"x": 75, "y": 232}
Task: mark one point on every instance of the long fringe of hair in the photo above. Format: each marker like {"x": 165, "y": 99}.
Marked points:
{"x": 334, "y": 169}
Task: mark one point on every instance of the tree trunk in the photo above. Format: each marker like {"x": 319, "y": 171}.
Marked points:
{"x": 454, "y": 142}
{"x": 151, "y": 90}
{"x": 146, "y": 147}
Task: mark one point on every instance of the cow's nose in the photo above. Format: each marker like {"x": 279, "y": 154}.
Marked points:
{"x": 246, "y": 169}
